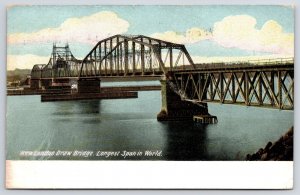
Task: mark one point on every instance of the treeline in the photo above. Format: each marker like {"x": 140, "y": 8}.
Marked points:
{"x": 17, "y": 74}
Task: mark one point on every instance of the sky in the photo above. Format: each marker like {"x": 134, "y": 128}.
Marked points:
{"x": 210, "y": 33}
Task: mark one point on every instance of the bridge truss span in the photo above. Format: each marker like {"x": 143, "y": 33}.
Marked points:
{"x": 122, "y": 55}
{"x": 265, "y": 83}
{"x": 62, "y": 63}
{"x": 267, "y": 86}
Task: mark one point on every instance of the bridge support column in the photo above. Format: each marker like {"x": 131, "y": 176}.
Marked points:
{"x": 61, "y": 82}
{"x": 173, "y": 108}
{"x": 46, "y": 83}
{"x": 35, "y": 84}
{"x": 89, "y": 85}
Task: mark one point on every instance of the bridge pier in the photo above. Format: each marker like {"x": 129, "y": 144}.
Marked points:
{"x": 35, "y": 83}
{"x": 174, "y": 108}
{"x": 46, "y": 83}
{"x": 89, "y": 85}
{"x": 61, "y": 82}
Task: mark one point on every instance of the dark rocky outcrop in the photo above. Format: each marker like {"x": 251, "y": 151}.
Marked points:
{"x": 282, "y": 149}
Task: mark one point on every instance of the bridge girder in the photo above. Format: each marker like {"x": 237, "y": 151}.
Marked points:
{"x": 264, "y": 86}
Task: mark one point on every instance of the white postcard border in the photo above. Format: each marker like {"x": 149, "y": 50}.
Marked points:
{"x": 261, "y": 172}
{"x": 149, "y": 175}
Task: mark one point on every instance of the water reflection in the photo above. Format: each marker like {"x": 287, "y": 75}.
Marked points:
{"x": 89, "y": 106}
{"x": 185, "y": 141}
{"x": 76, "y": 107}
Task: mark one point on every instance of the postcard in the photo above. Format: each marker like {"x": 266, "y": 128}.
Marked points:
{"x": 150, "y": 96}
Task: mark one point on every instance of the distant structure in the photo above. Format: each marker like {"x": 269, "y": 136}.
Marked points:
{"x": 62, "y": 64}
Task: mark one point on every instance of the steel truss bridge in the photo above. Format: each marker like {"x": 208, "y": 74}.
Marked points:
{"x": 265, "y": 83}
{"x": 62, "y": 63}
{"x": 121, "y": 55}
{"x": 269, "y": 85}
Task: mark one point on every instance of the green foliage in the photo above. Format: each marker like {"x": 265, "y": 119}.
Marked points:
{"x": 17, "y": 74}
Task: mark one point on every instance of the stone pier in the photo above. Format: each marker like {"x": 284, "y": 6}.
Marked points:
{"x": 89, "y": 85}
{"x": 35, "y": 84}
{"x": 58, "y": 82}
{"x": 173, "y": 108}
{"x": 46, "y": 83}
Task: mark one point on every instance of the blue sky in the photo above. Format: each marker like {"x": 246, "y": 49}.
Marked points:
{"x": 154, "y": 21}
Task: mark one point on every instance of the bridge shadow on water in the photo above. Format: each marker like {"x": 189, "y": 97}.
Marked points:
{"x": 89, "y": 106}
{"x": 185, "y": 141}
{"x": 83, "y": 108}
{"x": 79, "y": 107}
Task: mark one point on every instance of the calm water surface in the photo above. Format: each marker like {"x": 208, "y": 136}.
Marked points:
{"x": 130, "y": 125}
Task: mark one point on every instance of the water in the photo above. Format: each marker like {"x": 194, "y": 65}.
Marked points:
{"x": 130, "y": 125}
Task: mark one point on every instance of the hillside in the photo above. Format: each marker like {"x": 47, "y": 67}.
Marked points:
{"x": 17, "y": 74}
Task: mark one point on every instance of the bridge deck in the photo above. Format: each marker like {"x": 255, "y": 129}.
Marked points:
{"x": 234, "y": 67}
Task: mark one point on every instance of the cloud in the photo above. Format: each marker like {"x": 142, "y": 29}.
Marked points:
{"x": 192, "y": 35}
{"x": 25, "y": 61}
{"x": 240, "y": 32}
{"x": 87, "y": 29}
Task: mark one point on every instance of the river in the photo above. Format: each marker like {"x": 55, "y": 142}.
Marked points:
{"x": 127, "y": 129}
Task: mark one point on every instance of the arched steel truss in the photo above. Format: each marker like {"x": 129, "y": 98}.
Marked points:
{"x": 122, "y": 55}
{"x": 36, "y": 71}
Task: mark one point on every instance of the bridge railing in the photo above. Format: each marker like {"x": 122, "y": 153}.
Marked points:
{"x": 272, "y": 61}
{"x": 238, "y": 64}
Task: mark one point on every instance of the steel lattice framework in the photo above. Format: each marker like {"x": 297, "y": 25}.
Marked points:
{"x": 268, "y": 85}
{"x": 122, "y": 55}
{"x": 36, "y": 71}
{"x": 62, "y": 63}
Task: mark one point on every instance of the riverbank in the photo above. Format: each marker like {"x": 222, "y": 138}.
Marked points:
{"x": 281, "y": 150}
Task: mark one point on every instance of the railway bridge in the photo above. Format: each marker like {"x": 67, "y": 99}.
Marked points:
{"x": 186, "y": 87}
